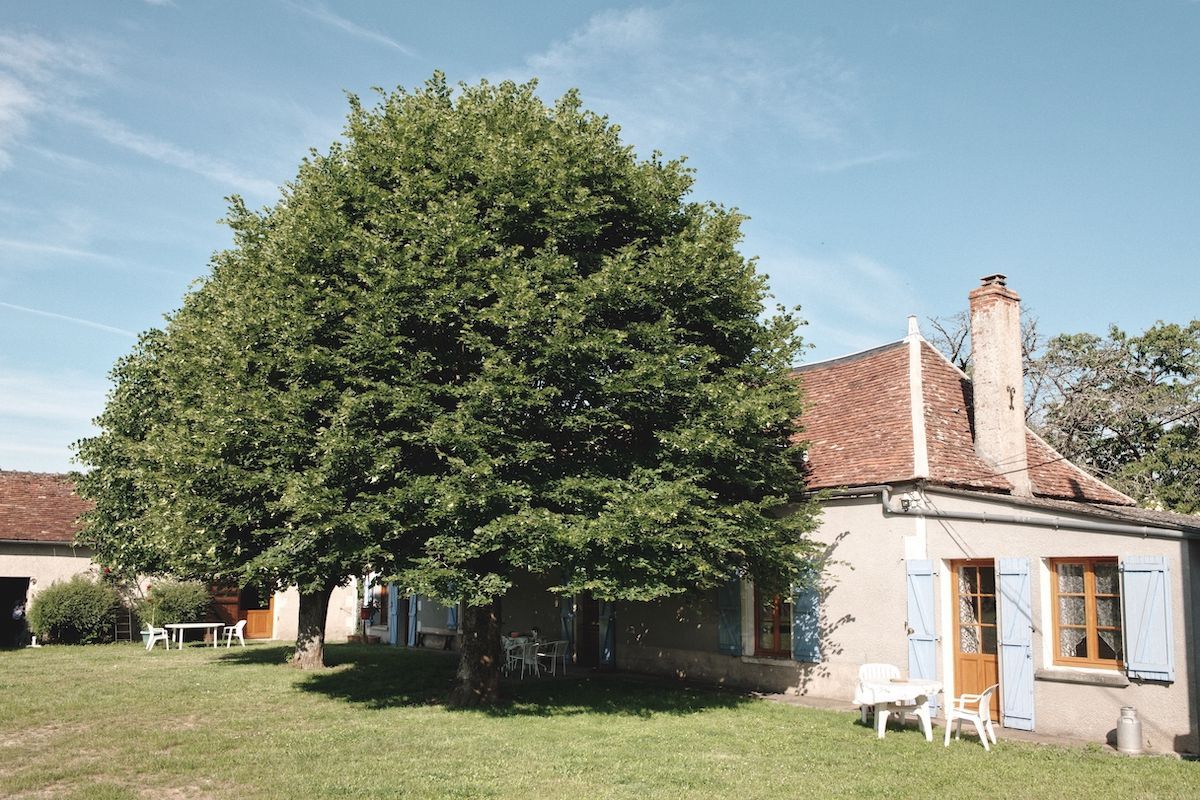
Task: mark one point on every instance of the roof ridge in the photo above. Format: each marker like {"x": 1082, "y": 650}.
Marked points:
{"x": 848, "y": 356}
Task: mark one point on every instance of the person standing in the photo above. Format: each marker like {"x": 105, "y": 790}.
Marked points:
{"x": 18, "y": 624}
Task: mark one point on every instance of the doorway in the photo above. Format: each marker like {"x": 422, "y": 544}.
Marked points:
{"x": 587, "y": 632}
{"x": 259, "y": 612}
{"x": 976, "y": 665}
{"x": 13, "y": 608}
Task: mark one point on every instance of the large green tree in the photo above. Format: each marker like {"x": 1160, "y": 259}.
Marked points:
{"x": 1128, "y": 408}
{"x": 478, "y": 339}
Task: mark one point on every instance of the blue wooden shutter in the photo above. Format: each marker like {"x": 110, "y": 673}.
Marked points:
{"x": 608, "y": 634}
{"x": 393, "y": 611}
{"x": 567, "y": 610}
{"x": 729, "y": 618}
{"x": 414, "y": 602}
{"x": 806, "y": 621}
{"x": 452, "y": 616}
{"x": 1016, "y": 644}
{"x": 922, "y": 630}
{"x": 1146, "y": 601}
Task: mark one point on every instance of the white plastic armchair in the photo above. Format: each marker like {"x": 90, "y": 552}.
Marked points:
{"x": 976, "y": 709}
{"x": 527, "y": 657}
{"x": 875, "y": 673}
{"x": 157, "y": 635}
{"x": 512, "y": 654}
{"x": 231, "y": 631}
{"x": 554, "y": 652}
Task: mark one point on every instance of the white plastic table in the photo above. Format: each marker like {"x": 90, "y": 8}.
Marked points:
{"x": 898, "y": 697}
{"x": 179, "y": 627}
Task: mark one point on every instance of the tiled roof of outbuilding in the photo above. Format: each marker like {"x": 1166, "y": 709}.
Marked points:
{"x": 858, "y": 423}
{"x": 39, "y": 507}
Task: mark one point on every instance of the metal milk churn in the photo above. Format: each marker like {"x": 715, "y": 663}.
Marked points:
{"x": 1129, "y": 731}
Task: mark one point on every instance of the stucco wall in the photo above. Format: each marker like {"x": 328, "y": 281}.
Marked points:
{"x": 44, "y": 563}
{"x": 1167, "y": 711}
{"x": 864, "y": 617}
{"x": 340, "y": 621}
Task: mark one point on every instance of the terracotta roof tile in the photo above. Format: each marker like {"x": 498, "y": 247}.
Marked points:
{"x": 858, "y": 426}
{"x": 857, "y": 421}
{"x": 39, "y": 507}
{"x": 950, "y": 426}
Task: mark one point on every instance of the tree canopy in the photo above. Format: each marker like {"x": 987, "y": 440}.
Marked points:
{"x": 477, "y": 338}
{"x": 1127, "y": 407}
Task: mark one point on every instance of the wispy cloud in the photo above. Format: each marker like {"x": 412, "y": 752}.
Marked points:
{"x": 42, "y": 413}
{"x": 52, "y": 250}
{"x": 165, "y": 152}
{"x": 844, "y": 164}
{"x": 100, "y": 326}
{"x": 40, "y": 77}
{"x": 32, "y": 70}
{"x": 323, "y": 15}
{"x": 851, "y": 301}
{"x": 668, "y": 81}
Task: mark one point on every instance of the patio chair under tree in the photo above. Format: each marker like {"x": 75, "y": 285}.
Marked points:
{"x": 527, "y": 656}
{"x": 231, "y": 631}
{"x": 554, "y": 652}
{"x": 157, "y": 635}
{"x": 976, "y": 709}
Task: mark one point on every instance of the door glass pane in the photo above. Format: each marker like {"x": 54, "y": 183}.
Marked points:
{"x": 989, "y": 641}
{"x": 1110, "y": 644}
{"x": 966, "y": 609}
{"x": 1108, "y": 610}
{"x": 968, "y": 640}
{"x": 1070, "y": 578}
{"x": 987, "y": 580}
{"x": 987, "y": 610}
{"x": 968, "y": 581}
{"x": 1106, "y": 579}
{"x": 1070, "y": 611}
{"x": 1072, "y": 643}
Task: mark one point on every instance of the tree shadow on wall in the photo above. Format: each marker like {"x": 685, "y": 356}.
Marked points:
{"x": 828, "y": 627}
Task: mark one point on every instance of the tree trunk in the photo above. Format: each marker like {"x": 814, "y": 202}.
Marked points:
{"x": 479, "y": 665}
{"x": 310, "y": 633}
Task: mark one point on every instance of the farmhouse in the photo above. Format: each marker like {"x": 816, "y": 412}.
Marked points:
{"x": 961, "y": 547}
{"x": 38, "y": 513}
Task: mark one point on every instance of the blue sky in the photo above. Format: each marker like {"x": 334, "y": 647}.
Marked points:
{"x": 888, "y": 154}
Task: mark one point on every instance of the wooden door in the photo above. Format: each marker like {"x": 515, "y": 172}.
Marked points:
{"x": 976, "y": 665}
{"x": 258, "y": 612}
{"x": 587, "y": 632}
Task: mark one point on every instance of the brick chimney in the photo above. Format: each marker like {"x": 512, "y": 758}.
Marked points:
{"x": 998, "y": 381}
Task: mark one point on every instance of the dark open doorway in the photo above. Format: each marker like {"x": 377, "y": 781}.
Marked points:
{"x": 13, "y": 594}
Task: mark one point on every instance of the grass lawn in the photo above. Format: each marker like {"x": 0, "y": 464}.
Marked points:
{"x": 117, "y": 722}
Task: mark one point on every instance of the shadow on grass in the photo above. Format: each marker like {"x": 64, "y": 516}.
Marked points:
{"x": 386, "y": 677}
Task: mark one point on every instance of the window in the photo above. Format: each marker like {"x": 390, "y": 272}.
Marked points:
{"x": 773, "y": 625}
{"x": 1087, "y": 612}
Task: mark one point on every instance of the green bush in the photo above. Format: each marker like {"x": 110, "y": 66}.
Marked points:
{"x": 79, "y": 611}
{"x": 169, "y": 601}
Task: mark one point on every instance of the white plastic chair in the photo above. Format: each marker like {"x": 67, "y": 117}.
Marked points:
{"x": 976, "y": 709}
{"x": 554, "y": 652}
{"x": 876, "y": 673}
{"x": 231, "y": 631}
{"x": 157, "y": 635}
{"x": 527, "y": 657}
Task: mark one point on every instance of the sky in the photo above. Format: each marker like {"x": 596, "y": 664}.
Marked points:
{"x": 888, "y": 155}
